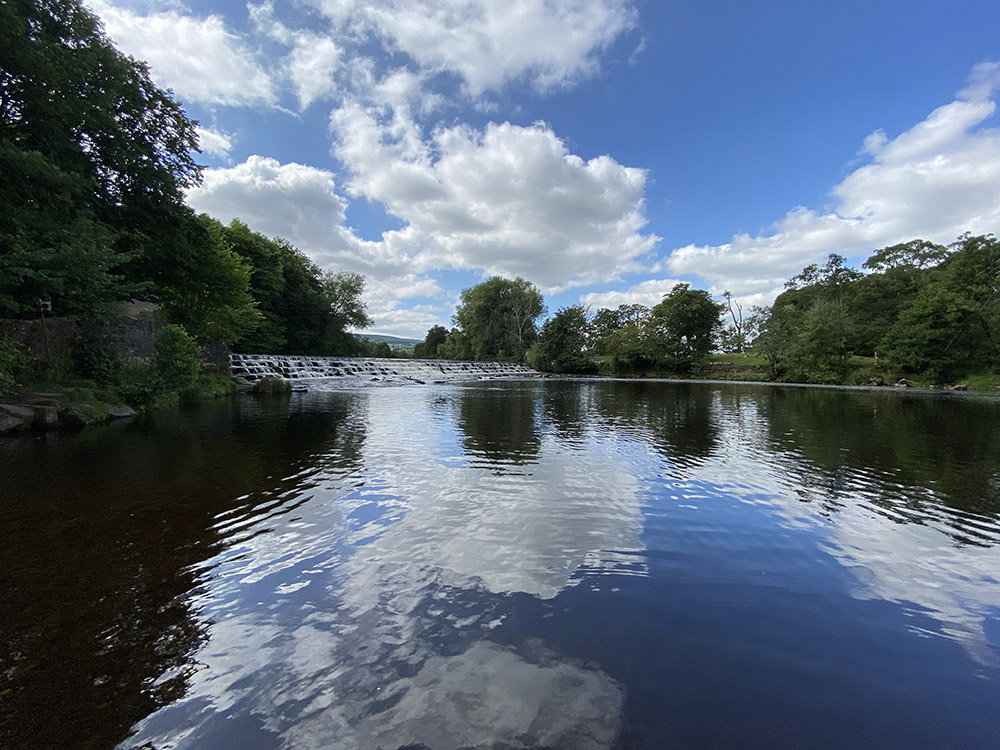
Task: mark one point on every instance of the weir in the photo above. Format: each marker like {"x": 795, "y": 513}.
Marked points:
{"x": 252, "y": 367}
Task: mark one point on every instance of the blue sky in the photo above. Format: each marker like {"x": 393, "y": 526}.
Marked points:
{"x": 602, "y": 149}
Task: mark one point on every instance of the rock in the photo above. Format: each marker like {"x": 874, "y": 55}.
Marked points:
{"x": 876, "y": 381}
{"x": 45, "y": 415}
{"x": 904, "y": 383}
{"x": 18, "y": 412}
{"x": 13, "y": 417}
{"x": 78, "y": 415}
{"x": 271, "y": 384}
{"x": 121, "y": 412}
{"x": 9, "y": 423}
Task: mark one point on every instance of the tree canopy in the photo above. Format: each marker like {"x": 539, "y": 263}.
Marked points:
{"x": 93, "y": 155}
{"x": 498, "y": 318}
{"x": 95, "y": 161}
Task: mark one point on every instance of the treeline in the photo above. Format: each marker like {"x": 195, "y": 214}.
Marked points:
{"x": 95, "y": 161}
{"x": 917, "y": 308}
{"x": 924, "y": 308}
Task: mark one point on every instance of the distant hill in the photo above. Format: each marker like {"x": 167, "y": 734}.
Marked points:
{"x": 394, "y": 342}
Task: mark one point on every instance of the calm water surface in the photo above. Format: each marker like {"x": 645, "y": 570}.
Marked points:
{"x": 547, "y": 564}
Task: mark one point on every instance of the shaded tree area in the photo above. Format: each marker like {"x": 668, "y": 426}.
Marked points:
{"x": 95, "y": 162}
{"x": 561, "y": 345}
{"x": 926, "y": 309}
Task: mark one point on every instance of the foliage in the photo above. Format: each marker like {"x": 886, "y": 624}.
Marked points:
{"x": 607, "y": 324}
{"x": 178, "y": 358}
{"x": 13, "y": 362}
{"x": 430, "y": 346}
{"x": 933, "y": 311}
{"x": 686, "y": 326}
{"x": 455, "y": 346}
{"x": 497, "y": 318}
{"x": 561, "y": 344}
{"x": 96, "y": 359}
{"x": 92, "y": 154}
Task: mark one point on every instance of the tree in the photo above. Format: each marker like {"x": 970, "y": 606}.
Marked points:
{"x": 938, "y": 333}
{"x": 608, "y": 323}
{"x": 498, "y": 316}
{"x": 210, "y": 296}
{"x": 686, "y": 324}
{"x": 915, "y": 254}
{"x": 733, "y": 338}
{"x": 345, "y": 309}
{"x": 430, "y": 346}
{"x": 89, "y": 146}
{"x": 952, "y": 325}
{"x": 562, "y": 342}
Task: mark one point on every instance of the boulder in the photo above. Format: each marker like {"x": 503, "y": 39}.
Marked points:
{"x": 9, "y": 423}
{"x": 79, "y": 415}
{"x": 120, "y": 412}
{"x": 45, "y": 415}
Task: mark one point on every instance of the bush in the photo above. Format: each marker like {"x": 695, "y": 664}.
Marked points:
{"x": 178, "y": 359}
{"x": 13, "y": 362}
{"x": 97, "y": 360}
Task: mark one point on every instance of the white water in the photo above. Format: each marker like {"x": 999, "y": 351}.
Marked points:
{"x": 253, "y": 367}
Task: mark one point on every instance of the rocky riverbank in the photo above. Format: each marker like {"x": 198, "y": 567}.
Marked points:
{"x": 70, "y": 408}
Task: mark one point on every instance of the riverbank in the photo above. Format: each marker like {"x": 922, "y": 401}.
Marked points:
{"x": 76, "y": 404}
{"x": 864, "y": 371}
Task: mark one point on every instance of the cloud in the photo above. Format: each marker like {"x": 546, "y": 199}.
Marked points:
{"x": 488, "y": 44}
{"x": 313, "y": 62}
{"x": 648, "y": 293}
{"x": 935, "y": 181}
{"x": 294, "y": 201}
{"x": 505, "y": 200}
{"x": 215, "y": 142}
{"x": 300, "y": 204}
{"x": 199, "y": 58}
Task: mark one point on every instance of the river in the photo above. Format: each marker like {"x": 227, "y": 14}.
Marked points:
{"x": 523, "y": 564}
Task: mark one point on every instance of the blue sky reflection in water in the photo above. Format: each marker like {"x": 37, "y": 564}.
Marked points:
{"x": 569, "y": 565}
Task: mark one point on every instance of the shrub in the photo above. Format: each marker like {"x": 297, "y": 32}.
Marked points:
{"x": 13, "y": 362}
{"x": 97, "y": 360}
{"x": 178, "y": 359}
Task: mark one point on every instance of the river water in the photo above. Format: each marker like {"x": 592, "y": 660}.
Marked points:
{"x": 529, "y": 564}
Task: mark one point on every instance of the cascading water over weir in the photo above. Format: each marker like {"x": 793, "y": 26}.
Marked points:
{"x": 250, "y": 368}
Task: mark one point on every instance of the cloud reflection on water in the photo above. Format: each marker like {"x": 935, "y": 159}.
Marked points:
{"x": 363, "y": 619}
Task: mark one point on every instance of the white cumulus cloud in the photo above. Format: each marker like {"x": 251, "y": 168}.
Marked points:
{"x": 489, "y": 44}
{"x": 935, "y": 181}
{"x": 215, "y": 142}
{"x": 300, "y": 204}
{"x": 199, "y": 58}
{"x": 506, "y": 200}
{"x": 648, "y": 293}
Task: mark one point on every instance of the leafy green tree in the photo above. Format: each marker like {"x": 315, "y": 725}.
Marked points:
{"x": 178, "y": 358}
{"x": 951, "y": 325}
{"x": 607, "y": 324}
{"x": 210, "y": 296}
{"x": 498, "y": 316}
{"x": 686, "y": 326}
{"x": 344, "y": 309}
{"x": 455, "y": 346}
{"x": 267, "y": 283}
{"x": 95, "y": 159}
{"x": 561, "y": 344}
{"x": 915, "y": 255}
{"x": 429, "y": 347}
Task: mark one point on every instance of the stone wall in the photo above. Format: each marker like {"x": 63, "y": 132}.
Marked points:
{"x": 61, "y": 333}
